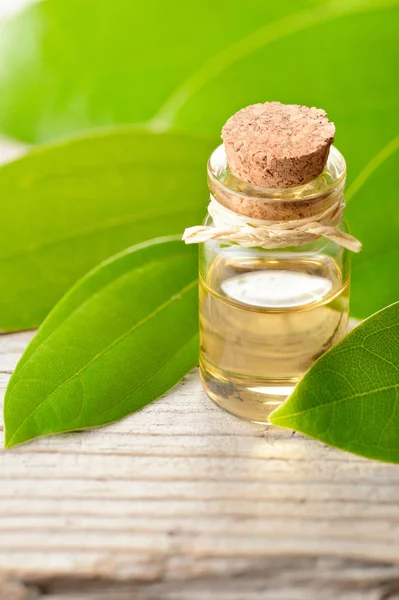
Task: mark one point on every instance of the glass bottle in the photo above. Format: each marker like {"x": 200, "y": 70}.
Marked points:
{"x": 267, "y": 314}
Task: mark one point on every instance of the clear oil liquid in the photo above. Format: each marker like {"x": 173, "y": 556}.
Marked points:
{"x": 263, "y": 323}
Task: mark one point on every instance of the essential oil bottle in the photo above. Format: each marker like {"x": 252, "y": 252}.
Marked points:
{"x": 274, "y": 270}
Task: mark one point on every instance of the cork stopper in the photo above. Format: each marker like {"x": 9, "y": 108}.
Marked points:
{"x": 274, "y": 145}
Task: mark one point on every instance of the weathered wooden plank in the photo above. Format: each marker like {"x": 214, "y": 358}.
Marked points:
{"x": 283, "y": 579}
{"x": 182, "y": 501}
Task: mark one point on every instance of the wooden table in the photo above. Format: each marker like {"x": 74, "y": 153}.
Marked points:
{"x": 183, "y": 501}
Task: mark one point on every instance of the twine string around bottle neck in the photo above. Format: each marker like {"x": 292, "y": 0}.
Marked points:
{"x": 251, "y": 233}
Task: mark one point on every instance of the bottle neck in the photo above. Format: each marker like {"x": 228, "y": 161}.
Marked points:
{"x": 278, "y": 205}
{"x": 277, "y": 210}
{"x": 274, "y": 218}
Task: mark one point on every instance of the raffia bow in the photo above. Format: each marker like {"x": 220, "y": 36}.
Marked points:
{"x": 251, "y": 233}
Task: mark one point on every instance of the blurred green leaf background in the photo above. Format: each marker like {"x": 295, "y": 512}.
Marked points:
{"x": 72, "y": 67}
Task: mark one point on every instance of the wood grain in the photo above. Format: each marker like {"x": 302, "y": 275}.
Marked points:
{"x": 183, "y": 501}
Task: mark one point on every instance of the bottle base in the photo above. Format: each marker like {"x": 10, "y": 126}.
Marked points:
{"x": 249, "y": 398}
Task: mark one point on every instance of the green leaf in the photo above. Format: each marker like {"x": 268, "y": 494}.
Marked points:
{"x": 318, "y": 56}
{"x": 67, "y": 66}
{"x": 123, "y": 336}
{"x": 69, "y": 206}
{"x": 350, "y": 397}
{"x": 374, "y": 217}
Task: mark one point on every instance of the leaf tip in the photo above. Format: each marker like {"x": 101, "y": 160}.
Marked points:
{"x": 273, "y": 418}
{"x": 8, "y": 442}
{"x": 10, "y": 437}
{"x": 278, "y": 415}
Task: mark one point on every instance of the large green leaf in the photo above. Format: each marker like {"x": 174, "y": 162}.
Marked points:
{"x": 340, "y": 55}
{"x": 71, "y": 65}
{"x": 67, "y": 207}
{"x": 374, "y": 217}
{"x": 123, "y": 336}
{"x": 350, "y": 397}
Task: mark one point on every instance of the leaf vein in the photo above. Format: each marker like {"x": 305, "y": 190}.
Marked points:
{"x": 360, "y": 395}
{"x": 154, "y": 374}
{"x": 162, "y": 306}
{"x": 269, "y": 33}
